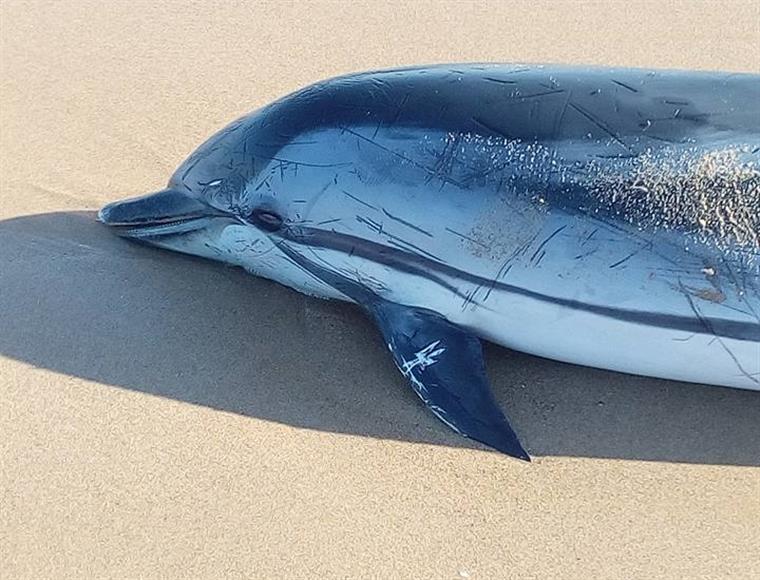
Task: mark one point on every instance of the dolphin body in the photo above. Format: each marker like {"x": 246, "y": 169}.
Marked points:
{"x": 603, "y": 217}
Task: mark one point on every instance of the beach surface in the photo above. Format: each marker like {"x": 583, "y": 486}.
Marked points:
{"x": 166, "y": 417}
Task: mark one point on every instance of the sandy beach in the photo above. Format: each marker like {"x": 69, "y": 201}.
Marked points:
{"x": 166, "y": 417}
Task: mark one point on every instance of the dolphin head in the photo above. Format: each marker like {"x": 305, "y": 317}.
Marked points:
{"x": 212, "y": 207}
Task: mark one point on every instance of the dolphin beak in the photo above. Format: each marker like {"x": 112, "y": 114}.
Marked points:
{"x": 167, "y": 212}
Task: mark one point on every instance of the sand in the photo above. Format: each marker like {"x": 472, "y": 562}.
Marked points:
{"x": 165, "y": 417}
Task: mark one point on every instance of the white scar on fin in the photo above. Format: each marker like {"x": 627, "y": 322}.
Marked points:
{"x": 423, "y": 359}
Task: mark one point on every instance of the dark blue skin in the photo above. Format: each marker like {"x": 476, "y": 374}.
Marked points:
{"x": 582, "y": 114}
{"x": 588, "y": 120}
{"x": 597, "y": 180}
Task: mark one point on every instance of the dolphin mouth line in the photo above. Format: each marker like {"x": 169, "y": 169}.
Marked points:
{"x": 159, "y": 227}
{"x": 163, "y": 213}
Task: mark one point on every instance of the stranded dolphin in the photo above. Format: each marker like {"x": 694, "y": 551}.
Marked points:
{"x": 602, "y": 217}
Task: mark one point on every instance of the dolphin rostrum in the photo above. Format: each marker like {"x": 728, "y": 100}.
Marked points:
{"x": 603, "y": 217}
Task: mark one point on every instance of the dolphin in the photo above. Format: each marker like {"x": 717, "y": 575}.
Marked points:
{"x": 597, "y": 216}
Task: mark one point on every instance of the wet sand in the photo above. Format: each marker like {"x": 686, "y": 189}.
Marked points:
{"x": 167, "y": 417}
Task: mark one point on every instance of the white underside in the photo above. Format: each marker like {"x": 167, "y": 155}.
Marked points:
{"x": 579, "y": 337}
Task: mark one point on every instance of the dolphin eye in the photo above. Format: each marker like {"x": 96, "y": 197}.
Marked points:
{"x": 265, "y": 219}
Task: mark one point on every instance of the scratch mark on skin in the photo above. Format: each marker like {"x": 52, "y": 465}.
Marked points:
{"x": 546, "y": 241}
{"x": 541, "y": 257}
{"x": 214, "y": 183}
{"x": 195, "y": 161}
{"x": 499, "y": 81}
{"x": 694, "y": 117}
{"x": 445, "y": 159}
{"x": 332, "y": 221}
{"x": 216, "y": 250}
{"x": 469, "y": 298}
{"x": 625, "y": 86}
{"x": 395, "y": 240}
{"x": 308, "y": 207}
{"x": 561, "y": 117}
{"x": 373, "y": 225}
{"x": 494, "y": 130}
{"x": 543, "y": 94}
{"x": 304, "y": 164}
{"x": 408, "y": 245}
{"x": 273, "y": 144}
{"x": 739, "y": 310}
{"x": 613, "y": 227}
{"x": 423, "y": 358}
{"x": 617, "y": 156}
{"x": 522, "y": 250}
{"x": 468, "y": 238}
{"x": 590, "y": 252}
{"x": 628, "y": 257}
{"x": 510, "y": 72}
{"x": 264, "y": 182}
{"x": 601, "y": 125}
{"x": 739, "y": 287}
{"x": 401, "y": 106}
{"x": 500, "y": 275}
{"x": 443, "y": 416}
{"x": 290, "y": 259}
{"x": 417, "y": 385}
{"x": 406, "y": 223}
{"x": 666, "y": 139}
{"x": 588, "y": 237}
{"x": 709, "y": 328}
{"x": 399, "y": 155}
{"x": 359, "y": 200}
{"x": 376, "y": 286}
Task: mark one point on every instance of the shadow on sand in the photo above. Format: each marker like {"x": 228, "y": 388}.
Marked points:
{"x": 77, "y": 300}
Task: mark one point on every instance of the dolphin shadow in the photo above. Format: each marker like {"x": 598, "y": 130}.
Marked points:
{"x": 77, "y": 300}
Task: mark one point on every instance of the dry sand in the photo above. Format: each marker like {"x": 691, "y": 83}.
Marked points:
{"x": 164, "y": 417}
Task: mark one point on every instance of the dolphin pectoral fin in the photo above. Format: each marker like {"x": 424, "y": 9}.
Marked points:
{"x": 445, "y": 367}
{"x": 443, "y": 363}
